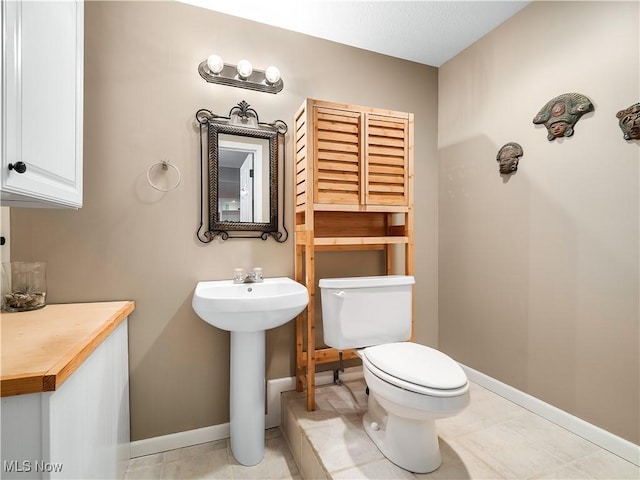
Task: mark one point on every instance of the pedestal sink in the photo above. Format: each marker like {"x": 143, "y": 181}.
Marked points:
{"x": 247, "y": 310}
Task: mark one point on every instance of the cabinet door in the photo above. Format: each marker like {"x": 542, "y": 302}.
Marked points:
{"x": 42, "y": 102}
{"x": 337, "y": 153}
{"x": 387, "y": 161}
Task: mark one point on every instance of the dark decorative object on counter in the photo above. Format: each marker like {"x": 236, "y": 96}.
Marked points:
{"x": 508, "y": 157}
{"x": 630, "y": 122}
{"x": 561, "y": 114}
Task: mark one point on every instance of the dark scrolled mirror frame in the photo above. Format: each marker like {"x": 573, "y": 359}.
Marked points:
{"x": 242, "y": 121}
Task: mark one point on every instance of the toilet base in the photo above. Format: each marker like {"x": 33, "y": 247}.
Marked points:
{"x": 409, "y": 443}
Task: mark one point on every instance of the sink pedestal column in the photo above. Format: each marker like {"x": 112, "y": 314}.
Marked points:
{"x": 246, "y": 406}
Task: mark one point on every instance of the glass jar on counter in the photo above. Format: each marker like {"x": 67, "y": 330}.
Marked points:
{"x": 24, "y": 286}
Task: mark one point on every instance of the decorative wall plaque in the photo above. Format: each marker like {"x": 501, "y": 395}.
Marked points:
{"x": 630, "y": 122}
{"x": 561, "y": 114}
{"x": 508, "y": 157}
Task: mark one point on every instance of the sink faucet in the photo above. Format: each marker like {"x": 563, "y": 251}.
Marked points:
{"x": 254, "y": 276}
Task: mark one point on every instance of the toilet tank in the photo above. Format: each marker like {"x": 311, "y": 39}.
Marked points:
{"x": 363, "y": 311}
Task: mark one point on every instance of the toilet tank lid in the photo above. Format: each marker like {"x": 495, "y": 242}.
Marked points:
{"x": 367, "y": 282}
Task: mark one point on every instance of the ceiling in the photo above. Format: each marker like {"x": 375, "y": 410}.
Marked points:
{"x": 424, "y": 31}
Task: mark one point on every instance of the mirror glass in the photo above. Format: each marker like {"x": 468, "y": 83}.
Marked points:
{"x": 243, "y": 179}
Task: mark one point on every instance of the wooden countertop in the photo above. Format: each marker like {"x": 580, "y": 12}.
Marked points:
{"x": 42, "y": 348}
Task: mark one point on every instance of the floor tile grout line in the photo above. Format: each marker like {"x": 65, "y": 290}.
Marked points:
{"x": 575, "y": 465}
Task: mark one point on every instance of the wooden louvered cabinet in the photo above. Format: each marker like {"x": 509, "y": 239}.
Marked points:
{"x": 353, "y": 184}
{"x": 359, "y": 158}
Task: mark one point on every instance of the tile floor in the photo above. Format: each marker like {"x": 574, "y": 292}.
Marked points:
{"x": 492, "y": 439}
{"x": 214, "y": 460}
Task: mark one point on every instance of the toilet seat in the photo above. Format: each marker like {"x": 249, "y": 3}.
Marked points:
{"x": 416, "y": 368}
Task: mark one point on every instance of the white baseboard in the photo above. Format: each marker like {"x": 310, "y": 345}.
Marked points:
{"x": 275, "y": 388}
{"x": 617, "y": 445}
{"x": 152, "y": 445}
{"x": 614, "y": 444}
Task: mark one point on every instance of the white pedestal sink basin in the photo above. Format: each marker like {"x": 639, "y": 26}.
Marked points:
{"x": 247, "y": 310}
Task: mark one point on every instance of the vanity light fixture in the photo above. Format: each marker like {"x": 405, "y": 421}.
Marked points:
{"x": 243, "y": 75}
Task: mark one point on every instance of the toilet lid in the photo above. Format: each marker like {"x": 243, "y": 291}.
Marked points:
{"x": 417, "y": 364}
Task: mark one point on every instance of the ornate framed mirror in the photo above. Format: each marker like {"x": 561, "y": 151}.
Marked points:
{"x": 241, "y": 157}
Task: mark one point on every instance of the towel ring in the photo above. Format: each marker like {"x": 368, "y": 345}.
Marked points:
{"x": 165, "y": 166}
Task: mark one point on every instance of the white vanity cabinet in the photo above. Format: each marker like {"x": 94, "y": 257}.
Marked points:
{"x": 42, "y": 103}
{"x": 79, "y": 431}
{"x": 65, "y": 392}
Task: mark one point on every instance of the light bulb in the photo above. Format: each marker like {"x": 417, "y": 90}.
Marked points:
{"x": 215, "y": 64}
{"x": 272, "y": 74}
{"x": 245, "y": 69}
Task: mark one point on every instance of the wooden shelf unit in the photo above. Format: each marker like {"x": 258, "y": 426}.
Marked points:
{"x": 354, "y": 191}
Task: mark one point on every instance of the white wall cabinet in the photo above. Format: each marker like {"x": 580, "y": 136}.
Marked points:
{"x": 42, "y": 103}
{"x": 79, "y": 431}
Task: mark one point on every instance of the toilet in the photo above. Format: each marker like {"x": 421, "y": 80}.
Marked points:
{"x": 410, "y": 385}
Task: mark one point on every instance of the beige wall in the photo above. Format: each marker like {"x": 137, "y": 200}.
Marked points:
{"x": 142, "y": 90}
{"x": 538, "y": 281}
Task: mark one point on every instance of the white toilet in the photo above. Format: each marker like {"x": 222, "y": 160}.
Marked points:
{"x": 410, "y": 385}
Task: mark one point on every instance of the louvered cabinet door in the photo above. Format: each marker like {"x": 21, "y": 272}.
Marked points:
{"x": 338, "y": 149}
{"x": 387, "y": 165}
